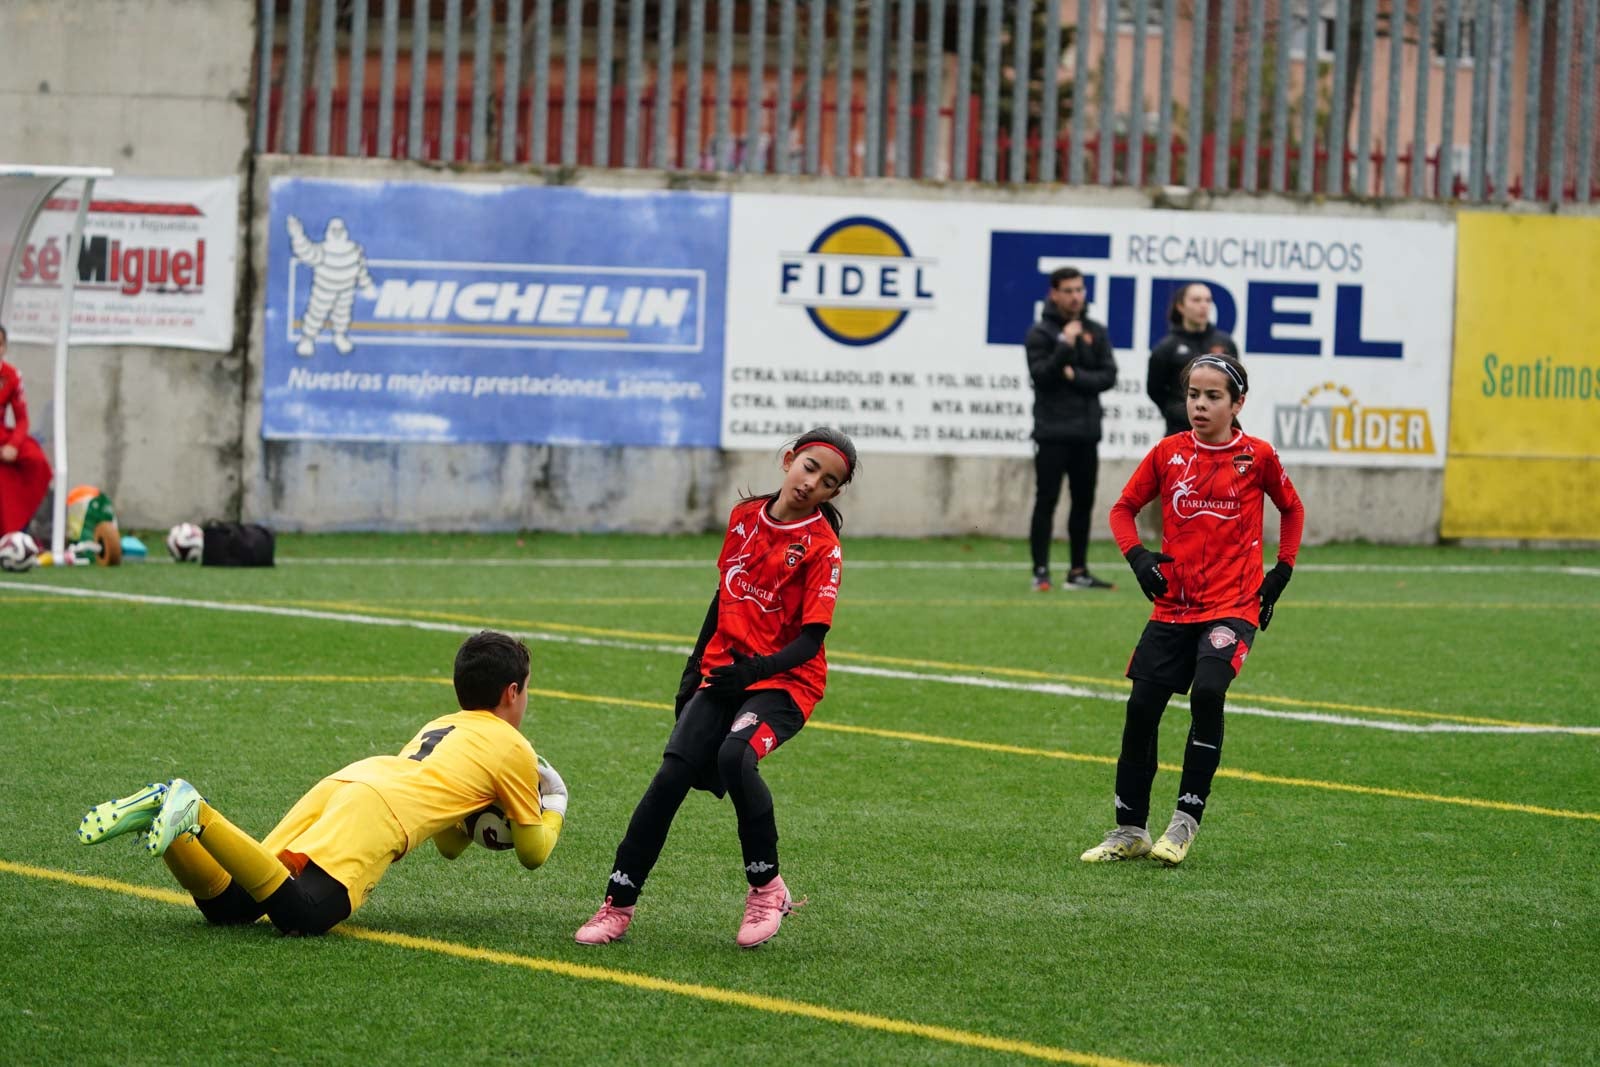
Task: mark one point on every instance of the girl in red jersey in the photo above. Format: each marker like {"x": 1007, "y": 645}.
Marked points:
{"x": 755, "y": 674}
{"x": 1208, "y": 591}
{"x": 24, "y": 471}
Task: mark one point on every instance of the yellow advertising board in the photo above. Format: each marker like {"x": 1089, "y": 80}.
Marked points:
{"x": 1524, "y": 450}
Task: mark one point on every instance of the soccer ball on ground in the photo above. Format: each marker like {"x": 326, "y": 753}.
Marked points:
{"x": 490, "y": 828}
{"x": 18, "y": 552}
{"x": 185, "y": 542}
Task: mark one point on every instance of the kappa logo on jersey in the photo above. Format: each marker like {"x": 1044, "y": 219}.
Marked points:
{"x": 1176, "y": 461}
{"x": 1222, "y": 637}
{"x": 745, "y": 720}
{"x": 1242, "y": 462}
{"x": 857, "y": 281}
{"x": 794, "y": 554}
{"x": 739, "y": 529}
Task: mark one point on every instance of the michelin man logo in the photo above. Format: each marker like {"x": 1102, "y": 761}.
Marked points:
{"x": 338, "y": 269}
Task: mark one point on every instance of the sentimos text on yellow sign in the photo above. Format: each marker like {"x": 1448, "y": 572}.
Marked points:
{"x": 1524, "y": 450}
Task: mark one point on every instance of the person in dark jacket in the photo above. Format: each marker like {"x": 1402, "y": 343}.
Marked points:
{"x": 1192, "y": 335}
{"x": 1070, "y": 363}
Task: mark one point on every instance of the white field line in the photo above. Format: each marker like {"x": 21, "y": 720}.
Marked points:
{"x": 923, "y": 565}
{"x": 1047, "y": 688}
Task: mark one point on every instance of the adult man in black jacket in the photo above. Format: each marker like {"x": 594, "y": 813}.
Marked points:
{"x": 1070, "y": 363}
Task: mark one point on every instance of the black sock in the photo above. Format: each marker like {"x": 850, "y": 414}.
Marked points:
{"x": 752, "y": 802}
{"x": 1136, "y": 766}
{"x": 647, "y": 831}
{"x": 1203, "y": 751}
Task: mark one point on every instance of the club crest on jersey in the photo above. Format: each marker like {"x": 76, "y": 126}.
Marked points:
{"x": 744, "y": 721}
{"x": 1241, "y": 462}
{"x": 794, "y": 554}
{"x": 1222, "y": 637}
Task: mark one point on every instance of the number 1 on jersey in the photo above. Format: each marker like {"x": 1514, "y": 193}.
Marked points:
{"x": 430, "y": 741}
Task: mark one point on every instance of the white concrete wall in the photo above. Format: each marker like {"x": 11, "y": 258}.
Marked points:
{"x": 149, "y": 88}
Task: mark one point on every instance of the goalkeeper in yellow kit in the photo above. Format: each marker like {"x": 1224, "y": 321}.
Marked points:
{"x": 327, "y": 854}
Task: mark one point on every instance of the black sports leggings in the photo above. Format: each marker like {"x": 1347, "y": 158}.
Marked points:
{"x": 652, "y": 819}
{"x": 1136, "y": 766}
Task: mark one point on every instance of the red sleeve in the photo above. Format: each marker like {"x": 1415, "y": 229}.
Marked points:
{"x": 1142, "y": 488}
{"x": 18, "y": 403}
{"x": 1291, "y": 512}
{"x": 822, "y": 587}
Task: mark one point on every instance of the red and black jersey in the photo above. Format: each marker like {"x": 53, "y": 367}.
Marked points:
{"x": 776, "y": 578}
{"x": 1211, "y": 519}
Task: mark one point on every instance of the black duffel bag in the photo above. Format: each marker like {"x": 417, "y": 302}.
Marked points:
{"x": 237, "y": 544}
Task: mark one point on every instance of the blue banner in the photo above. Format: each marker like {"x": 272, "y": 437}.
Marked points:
{"x": 412, "y": 311}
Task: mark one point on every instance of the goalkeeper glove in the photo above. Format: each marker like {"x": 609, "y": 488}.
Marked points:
{"x": 687, "y": 686}
{"x": 552, "y": 789}
{"x": 1147, "y": 568}
{"x": 1272, "y": 588}
{"x": 739, "y": 675}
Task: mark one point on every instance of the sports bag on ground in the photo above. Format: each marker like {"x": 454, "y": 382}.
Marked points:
{"x": 237, "y": 544}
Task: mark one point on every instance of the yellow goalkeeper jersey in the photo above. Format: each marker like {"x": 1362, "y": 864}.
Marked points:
{"x": 456, "y": 765}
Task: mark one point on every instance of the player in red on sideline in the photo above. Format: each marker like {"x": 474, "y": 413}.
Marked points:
{"x": 757, "y": 671}
{"x": 1208, "y": 590}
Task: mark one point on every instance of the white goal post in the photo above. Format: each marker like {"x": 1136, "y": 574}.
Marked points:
{"x": 24, "y": 191}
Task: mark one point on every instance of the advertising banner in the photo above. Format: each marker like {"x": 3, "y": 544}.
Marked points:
{"x": 422, "y": 311}
{"x": 1525, "y": 402}
{"x": 157, "y": 265}
{"x": 902, "y": 322}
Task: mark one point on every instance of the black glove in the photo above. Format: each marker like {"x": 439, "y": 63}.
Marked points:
{"x": 739, "y": 675}
{"x": 1271, "y": 589}
{"x": 687, "y": 685}
{"x": 1147, "y": 568}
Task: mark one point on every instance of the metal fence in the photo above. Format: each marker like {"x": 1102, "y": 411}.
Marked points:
{"x": 1483, "y": 100}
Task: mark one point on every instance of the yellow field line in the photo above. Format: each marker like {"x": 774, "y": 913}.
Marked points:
{"x": 633, "y": 980}
{"x": 867, "y": 731}
{"x": 1024, "y": 673}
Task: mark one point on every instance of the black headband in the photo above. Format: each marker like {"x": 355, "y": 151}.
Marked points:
{"x": 1213, "y": 361}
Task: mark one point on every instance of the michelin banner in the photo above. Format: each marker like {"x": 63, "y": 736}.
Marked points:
{"x": 420, "y": 311}
{"x": 902, "y": 322}
{"x": 156, "y": 267}
{"x": 1525, "y": 411}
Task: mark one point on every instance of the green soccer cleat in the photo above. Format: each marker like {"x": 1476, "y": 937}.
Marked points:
{"x": 1174, "y": 844}
{"x": 1123, "y": 843}
{"x": 179, "y": 815}
{"x": 114, "y": 817}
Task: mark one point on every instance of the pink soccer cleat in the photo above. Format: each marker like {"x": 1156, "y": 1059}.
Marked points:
{"x": 764, "y": 909}
{"x": 608, "y": 925}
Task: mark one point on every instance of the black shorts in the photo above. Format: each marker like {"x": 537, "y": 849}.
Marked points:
{"x": 763, "y": 718}
{"x": 1168, "y": 651}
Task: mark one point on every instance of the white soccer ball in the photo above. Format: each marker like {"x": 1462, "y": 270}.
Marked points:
{"x": 185, "y": 542}
{"x": 491, "y": 829}
{"x": 18, "y": 552}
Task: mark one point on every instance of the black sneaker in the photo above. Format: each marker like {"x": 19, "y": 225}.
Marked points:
{"x": 1041, "y": 581}
{"x": 1085, "y": 580}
